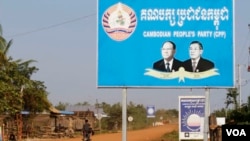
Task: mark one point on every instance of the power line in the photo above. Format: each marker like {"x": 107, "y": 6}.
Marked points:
{"x": 51, "y": 26}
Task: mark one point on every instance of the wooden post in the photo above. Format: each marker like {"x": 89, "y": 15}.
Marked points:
{"x": 212, "y": 127}
{"x": 19, "y": 123}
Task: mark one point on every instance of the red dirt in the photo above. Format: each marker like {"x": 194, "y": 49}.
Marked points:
{"x": 149, "y": 134}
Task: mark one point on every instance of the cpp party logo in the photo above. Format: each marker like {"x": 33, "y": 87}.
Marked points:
{"x": 119, "y": 22}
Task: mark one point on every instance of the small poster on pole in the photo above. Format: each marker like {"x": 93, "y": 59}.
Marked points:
{"x": 150, "y": 111}
{"x": 191, "y": 117}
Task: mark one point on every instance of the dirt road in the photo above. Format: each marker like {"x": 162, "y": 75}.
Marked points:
{"x": 149, "y": 134}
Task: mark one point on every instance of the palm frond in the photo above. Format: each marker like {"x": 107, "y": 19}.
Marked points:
{"x": 7, "y": 47}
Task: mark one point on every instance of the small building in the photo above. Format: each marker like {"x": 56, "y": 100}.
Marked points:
{"x": 85, "y": 112}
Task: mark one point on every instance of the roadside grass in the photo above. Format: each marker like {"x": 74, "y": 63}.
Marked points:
{"x": 173, "y": 136}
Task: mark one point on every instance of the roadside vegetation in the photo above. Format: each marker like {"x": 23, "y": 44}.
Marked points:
{"x": 172, "y": 136}
{"x": 233, "y": 111}
{"x": 19, "y": 92}
{"x": 113, "y": 123}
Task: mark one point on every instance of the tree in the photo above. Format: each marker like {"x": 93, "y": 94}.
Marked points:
{"x": 114, "y": 122}
{"x": 17, "y": 90}
{"x": 9, "y": 92}
{"x": 4, "y": 47}
{"x": 61, "y": 106}
{"x": 85, "y": 103}
{"x": 232, "y": 98}
{"x": 35, "y": 97}
{"x": 139, "y": 114}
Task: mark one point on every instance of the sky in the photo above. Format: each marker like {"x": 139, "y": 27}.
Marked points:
{"x": 61, "y": 35}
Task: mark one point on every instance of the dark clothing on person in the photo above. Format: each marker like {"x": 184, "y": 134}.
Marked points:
{"x": 202, "y": 65}
{"x": 86, "y": 127}
{"x": 161, "y": 66}
{"x": 87, "y": 131}
{"x": 12, "y": 137}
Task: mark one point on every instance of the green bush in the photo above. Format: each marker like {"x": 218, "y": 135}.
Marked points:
{"x": 172, "y": 136}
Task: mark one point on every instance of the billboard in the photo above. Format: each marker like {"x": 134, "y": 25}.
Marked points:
{"x": 191, "y": 117}
{"x": 135, "y": 36}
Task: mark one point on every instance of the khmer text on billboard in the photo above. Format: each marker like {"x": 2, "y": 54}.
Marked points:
{"x": 165, "y": 43}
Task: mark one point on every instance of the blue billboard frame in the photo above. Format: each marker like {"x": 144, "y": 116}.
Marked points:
{"x": 131, "y": 34}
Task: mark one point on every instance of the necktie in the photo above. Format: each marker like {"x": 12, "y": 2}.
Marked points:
{"x": 167, "y": 67}
{"x": 194, "y": 66}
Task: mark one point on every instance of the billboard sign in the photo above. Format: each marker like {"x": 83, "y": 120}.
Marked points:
{"x": 136, "y": 40}
{"x": 191, "y": 117}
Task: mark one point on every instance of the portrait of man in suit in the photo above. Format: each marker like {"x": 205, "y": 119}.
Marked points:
{"x": 197, "y": 63}
{"x": 168, "y": 63}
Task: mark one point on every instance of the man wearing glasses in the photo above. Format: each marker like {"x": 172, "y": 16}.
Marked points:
{"x": 168, "y": 63}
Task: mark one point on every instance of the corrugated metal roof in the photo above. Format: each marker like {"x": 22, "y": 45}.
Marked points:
{"x": 66, "y": 113}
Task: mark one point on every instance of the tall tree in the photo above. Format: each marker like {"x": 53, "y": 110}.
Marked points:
{"x": 17, "y": 89}
{"x": 232, "y": 98}
{"x": 4, "y": 48}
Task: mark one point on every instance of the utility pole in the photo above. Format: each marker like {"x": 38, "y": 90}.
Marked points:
{"x": 248, "y": 67}
{"x": 99, "y": 116}
{"x": 239, "y": 74}
{"x": 239, "y": 84}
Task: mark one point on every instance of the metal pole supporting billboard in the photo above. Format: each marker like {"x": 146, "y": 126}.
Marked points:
{"x": 207, "y": 105}
{"x": 124, "y": 114}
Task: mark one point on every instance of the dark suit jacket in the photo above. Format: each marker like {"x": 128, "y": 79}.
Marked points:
{"x": 203, "y": 65}
{"x": 160, "y": 66}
